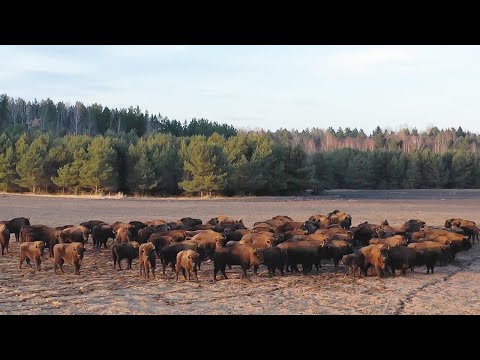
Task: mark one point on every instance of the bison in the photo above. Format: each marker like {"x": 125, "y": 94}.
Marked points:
{"x": 127, "y": 251}
{"x": 244, "y": 255}
{"x": 187, "y": 261}
{"x": 354, "y": 261}
{"x": 146, "y": 259}
{"x": 71, "y": 253}
{"x": 274, "y": 258}
{"x": 4, "y": 237}
{"x": 31, "y": 251}
{"x": 100, "y": 235}
{"x": 15, "y": 225}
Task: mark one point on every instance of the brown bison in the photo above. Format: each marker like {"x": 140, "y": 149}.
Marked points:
{"x": 397, "y": 240}
{"x": 274, "y": 258}
{"x": 15, "y": 225}
{"x": 235, "y": 235}
{"x": 31, "y": 251}
{"x": 123, "y": 235}
{"x": 169, "y": 252}
{"x": 146, "y": 259}
{"x": 160, "y": 241}
{"x": 258, "y": 240}
{"x": 413, "y": 225}
{"x": 469, "y": 227}
{"x": 244, "y": 255}
{"x": 74, "y": 234}
{"x": 190, "y": 222}
{"x": 209, "y": 237}
{"x": 71, "y": 253}
{"x": 307, "y": 253}
{"x": 321, "y": 220}
{"x": 127, "y": 251}
{"x": 90, "y": 224}
{"x": 354, "y": 261}
{"x": 283, "y": 218}
{"x": 4, "y": 237}
{"x": 376, "y": 256}
{"x": 48, "y": 235}
{"x": 341, "y": 218}
{"x": 100, "y": 235}
{"x": 441, "y": 250}
{"x": 187, "y": 261}
{"x": 336, "y": 249}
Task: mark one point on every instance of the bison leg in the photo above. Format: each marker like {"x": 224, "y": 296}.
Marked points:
{"x": 77, "y": 268}
{"x": 119, "y": 264}
{"x": 22, "y": 259}
{"x": 215, "y": 271}
{"x": 223, "y": 272}
{"x": 184, "y": 274}
{"x": 27, "y": 260}
{"x": 255, "y": 270}
{"x": 318, "y": 268}
{"x": 37, "y": 263}
{"x": 17, "y": 236}
{"x": 195, "y": 275}
{"x": 244, "y": 272}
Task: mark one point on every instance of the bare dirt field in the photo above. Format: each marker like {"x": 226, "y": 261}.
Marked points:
{"x": 453, "y": 289}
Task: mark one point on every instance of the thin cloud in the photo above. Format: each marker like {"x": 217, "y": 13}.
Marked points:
{"x": 362, "y": 59}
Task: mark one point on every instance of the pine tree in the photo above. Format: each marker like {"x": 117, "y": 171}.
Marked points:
{"x": 413, "y": 177}
{"x": 463, "y": 169}
{"x": 360, "y": 173}
{"x": 298, "y": 170}
{"x": 206, "y": 167}
{"x": 99, "y": 171}
{"x": 69, "y": 174}
{"x": 30, "y": 167}
{"x": 7, "y": 169}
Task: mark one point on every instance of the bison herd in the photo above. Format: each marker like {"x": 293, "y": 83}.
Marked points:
{"x": 280, "y": 244}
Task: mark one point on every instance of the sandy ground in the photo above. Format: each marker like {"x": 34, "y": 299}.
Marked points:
{"x": 99, "y": 289}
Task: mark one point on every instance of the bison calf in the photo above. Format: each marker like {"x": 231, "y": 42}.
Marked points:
{"x": 187, "y": 261}
{"x": 146, "y": 259}
{"x": 4, "y": 237}
{"x": 71, "y": 253}
{"x": 31, "y": 251}
{"x": 354, "y": 261}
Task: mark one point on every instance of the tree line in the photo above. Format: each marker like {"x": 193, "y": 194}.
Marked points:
{"x": 136, "y": 153}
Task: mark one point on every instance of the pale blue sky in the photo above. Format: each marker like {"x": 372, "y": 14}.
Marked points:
{"x": 260, "y": 86}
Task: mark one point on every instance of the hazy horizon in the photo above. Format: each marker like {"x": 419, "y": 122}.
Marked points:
{"x": 260, "y": 87}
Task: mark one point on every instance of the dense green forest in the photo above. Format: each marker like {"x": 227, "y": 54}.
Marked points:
{"x": 48, "y": 147}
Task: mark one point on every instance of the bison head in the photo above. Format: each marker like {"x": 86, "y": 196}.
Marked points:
{"x": 40, "y": 245}
{"x": 258, "y": 254}
{"x": 78, "y": 250}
